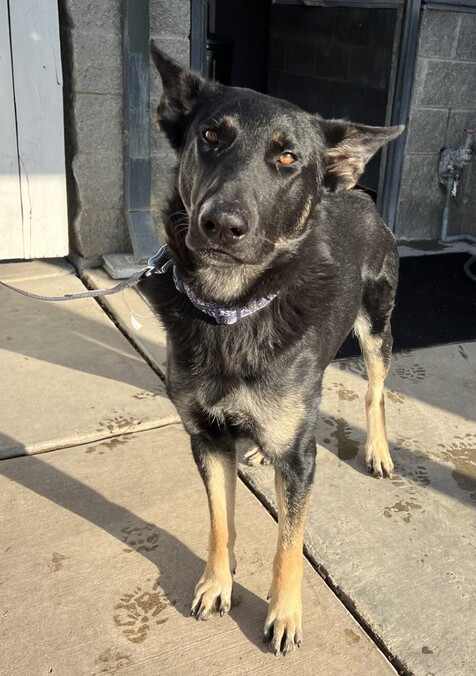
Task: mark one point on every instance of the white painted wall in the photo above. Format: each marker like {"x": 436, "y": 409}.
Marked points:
{"x": 33, "y": 208}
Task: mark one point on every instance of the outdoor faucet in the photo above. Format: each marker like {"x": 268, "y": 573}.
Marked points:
{"x": 450, "y": 168}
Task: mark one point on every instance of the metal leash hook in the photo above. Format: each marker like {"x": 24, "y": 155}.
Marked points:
{"x": 154, "y": 260}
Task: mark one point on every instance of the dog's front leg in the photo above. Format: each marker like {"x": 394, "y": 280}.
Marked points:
{"x": 294, "y": 475}
{"x": 217, "y": 466}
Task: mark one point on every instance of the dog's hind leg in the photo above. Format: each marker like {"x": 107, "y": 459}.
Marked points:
{"x": 217, "y": 467}
{"x": 373, "y": 331}
{"x": 294, "y": 475}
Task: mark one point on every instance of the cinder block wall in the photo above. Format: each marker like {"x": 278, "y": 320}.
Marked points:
{"x": 91, "y": 34}
{"x": 443, "y": 104}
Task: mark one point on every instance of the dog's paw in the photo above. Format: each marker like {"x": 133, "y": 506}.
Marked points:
{"x": 282, "y": 629}
{"x": 255, "y": 457}
{"x": 212, "y": 595}
{"x": 378, "y": 460}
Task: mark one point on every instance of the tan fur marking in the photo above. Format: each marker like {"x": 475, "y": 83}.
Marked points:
{"x": 376, "y": 448}
{"x": 285, "y": 609}
{"x": 221, "y": 499}
{"x": 216, "y": 581}
{"x": 278, "y": 418}
{"x": 228, "y": 121}
{"x": 305, "y": 214}
{"x": 228, "y": 284}
{"x": 346, "y": 160}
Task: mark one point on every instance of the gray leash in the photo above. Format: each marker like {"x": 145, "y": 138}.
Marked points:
{"x": 152, "y": 267}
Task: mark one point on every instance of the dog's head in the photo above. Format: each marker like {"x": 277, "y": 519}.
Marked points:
{"x": 252, "y": 167}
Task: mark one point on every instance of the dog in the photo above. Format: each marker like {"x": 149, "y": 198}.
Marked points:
{"x": 274, "y": 260}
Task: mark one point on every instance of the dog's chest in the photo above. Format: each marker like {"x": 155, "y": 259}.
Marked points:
{"x": 269, "y": 417}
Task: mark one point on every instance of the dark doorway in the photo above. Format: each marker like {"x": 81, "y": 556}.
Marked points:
{"x": 334, "y": 60}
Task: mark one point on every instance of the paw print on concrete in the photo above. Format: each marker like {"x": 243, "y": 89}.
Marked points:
{"x": 142, "y": 538}
{"x": 138, "y": 612}
{"x": 413, "y": 373}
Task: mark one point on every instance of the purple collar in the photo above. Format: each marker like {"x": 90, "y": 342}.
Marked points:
{"x": 220, "y": 314}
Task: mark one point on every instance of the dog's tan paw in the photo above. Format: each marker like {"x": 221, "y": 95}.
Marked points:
{"x": 212, "y": 595}
{"x": 255, "y": 457}
{"x": 378, "y": 460}
{"x": 282, "y": 629}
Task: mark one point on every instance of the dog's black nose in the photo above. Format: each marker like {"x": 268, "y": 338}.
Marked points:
{"x": 224, "y": 223}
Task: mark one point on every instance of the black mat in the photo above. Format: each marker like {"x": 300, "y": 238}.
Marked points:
{"x": 436, "y": 304}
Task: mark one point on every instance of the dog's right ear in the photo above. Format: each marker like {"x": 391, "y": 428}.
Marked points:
{"x": 181, "y": 88}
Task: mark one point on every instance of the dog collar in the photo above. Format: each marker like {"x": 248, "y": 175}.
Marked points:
{"x": 220, "y": 314}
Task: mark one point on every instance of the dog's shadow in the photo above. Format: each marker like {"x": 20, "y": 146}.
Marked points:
{"x": 179, "y": 567}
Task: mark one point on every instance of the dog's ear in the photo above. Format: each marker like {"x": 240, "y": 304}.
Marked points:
{"x": 181, "y": 88}
{"x": 349, "y": 147}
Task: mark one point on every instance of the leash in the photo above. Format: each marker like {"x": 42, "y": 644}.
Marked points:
{"x": 151, "y": 268}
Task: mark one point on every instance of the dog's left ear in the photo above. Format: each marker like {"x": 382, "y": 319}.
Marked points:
{"x": 181, "y": 87}
{"x": 349, "y": 148}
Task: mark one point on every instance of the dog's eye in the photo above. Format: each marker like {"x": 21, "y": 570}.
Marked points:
{"x": 287, "y": 159}
{"x": 211, "y": 137}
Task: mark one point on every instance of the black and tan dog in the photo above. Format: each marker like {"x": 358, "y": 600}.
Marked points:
{"x": 275, "y": 260}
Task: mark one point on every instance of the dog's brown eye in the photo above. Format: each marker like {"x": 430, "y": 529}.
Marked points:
{"x": 211, "y": 137}
{"x": 287, "y": 159}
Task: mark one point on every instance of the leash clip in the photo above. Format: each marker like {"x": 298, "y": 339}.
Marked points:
{"x": 152, "y": 263}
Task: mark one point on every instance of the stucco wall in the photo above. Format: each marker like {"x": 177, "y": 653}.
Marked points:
{"x": 92, "y": 55}
{"x": 443, "y": 104}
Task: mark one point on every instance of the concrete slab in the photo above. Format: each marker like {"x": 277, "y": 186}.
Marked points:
{"x": 35, "y": 269}
{"x": 85, "y": 533}
{"x": 135, "y": 317}
{"x": 403, "y": 551}
{"x": 69, "y": 375}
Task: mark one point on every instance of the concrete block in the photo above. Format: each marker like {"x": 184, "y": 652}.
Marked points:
{"x": 382, "y": 32}
{"x": 94, "y": 16}
{"x": 285, "y": 20}
{"x": 100, "y": 231}
{"x": 354, "y": 26}
{"x": 276, "y": 53}
{"x": 426, "y": 130}
{"x": 358, "y": 103}
{"x": 458, "y": 121}
{"x": 99, "y": 178}
{"x": 438, "y": 33}
{"x": 331, "y": 60}
{"x": 97, "y": 62}
{"x": 170, "y": 18}
{"x": 421, "y": 199}
{"x": 370, "y": 66}
{"x": 466, "y": 46}
{"x": 274, "y": 76}
{"x": 448, "y": 84}
{"x": 99, "y": 123}
{"x": 299, "y": 56}
{"x": 310, "y": 93}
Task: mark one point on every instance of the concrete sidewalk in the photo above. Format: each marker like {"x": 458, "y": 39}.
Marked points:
{"x": 104, "y": 533}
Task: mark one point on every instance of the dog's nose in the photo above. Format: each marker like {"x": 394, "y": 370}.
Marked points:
{"x": 224, "y": 223}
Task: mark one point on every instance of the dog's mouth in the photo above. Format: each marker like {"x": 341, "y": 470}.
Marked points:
{"x": 218, "y": 257}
